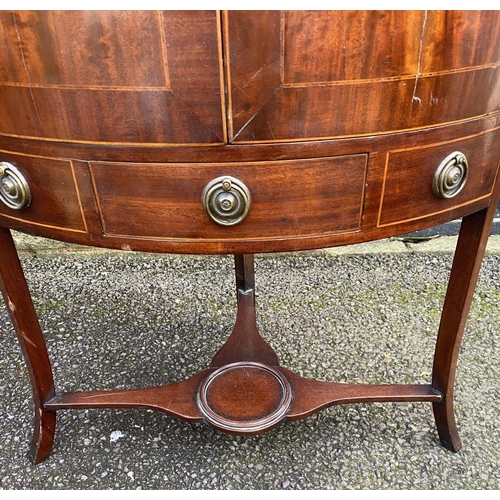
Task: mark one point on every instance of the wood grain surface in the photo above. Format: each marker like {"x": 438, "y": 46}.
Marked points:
{"x": 119, "y": 120}
{"x": 359, "y": 72}
{"x": 112, "y": 76}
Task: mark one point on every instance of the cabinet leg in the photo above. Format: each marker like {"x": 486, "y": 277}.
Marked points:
{"x": 43, "y": 434}
{"x": 469, "y": 253}
{"x": 23, "y": 315}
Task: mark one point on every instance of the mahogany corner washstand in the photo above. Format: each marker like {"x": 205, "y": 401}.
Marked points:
{"x": 241, "y": 133}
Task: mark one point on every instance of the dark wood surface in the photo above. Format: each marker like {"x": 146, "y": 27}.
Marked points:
{"x": 102, "y": 70}
{"x": 330, "y": 74}
{"x": 289, "y": 198}
{"x": 157, "y": 206}
{"x": 336, "y": 121}
{"x": 407, "y": 190}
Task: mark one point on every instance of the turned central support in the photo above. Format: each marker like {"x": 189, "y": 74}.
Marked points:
{"x": 245, "y": 342}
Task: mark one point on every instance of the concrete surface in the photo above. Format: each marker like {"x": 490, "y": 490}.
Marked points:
{"x": 366, "y": 313}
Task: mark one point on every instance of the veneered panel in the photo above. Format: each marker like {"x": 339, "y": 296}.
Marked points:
{"x": 104, "y": 76}
{"x": 369, "y": 73}
{"x": 92, "y": 48}
{"x": 100, "y": 116}
{"x": 460, "y": 39}
{"x": 326, "y": 46}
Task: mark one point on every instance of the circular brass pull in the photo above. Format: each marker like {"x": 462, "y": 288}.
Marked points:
{"x": 226, "y": 200}
{"x": 451, "y": 175}
{"x": 14, "y": 190}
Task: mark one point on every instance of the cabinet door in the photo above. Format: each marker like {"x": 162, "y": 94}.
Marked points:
{"x": 112, "y": 76}
{"x": 296, "y": 75}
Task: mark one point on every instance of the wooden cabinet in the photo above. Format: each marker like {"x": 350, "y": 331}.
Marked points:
{"x": 242, "y": 132}
{"x": 252, "y": 92}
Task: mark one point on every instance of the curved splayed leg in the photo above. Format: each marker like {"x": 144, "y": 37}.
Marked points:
{"x": 22, "y": 313}
{"x": 469, "y": 253}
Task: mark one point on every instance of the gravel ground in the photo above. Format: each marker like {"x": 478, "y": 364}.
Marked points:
{"x": 116, "y": 320}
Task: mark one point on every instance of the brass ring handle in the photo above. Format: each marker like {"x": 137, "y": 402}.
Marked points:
{"x": 14, "y": 189}
{"x": 226, "y": 200}
{"x": 451, "y": 175}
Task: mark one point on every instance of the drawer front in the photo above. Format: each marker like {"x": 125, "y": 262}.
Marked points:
{"x": 53, "y": 192}
{"x": 409, "y": 176}
{"x": 289, "y": 199}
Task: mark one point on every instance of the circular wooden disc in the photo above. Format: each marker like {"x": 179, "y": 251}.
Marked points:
{"x": 244, "y": 397}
